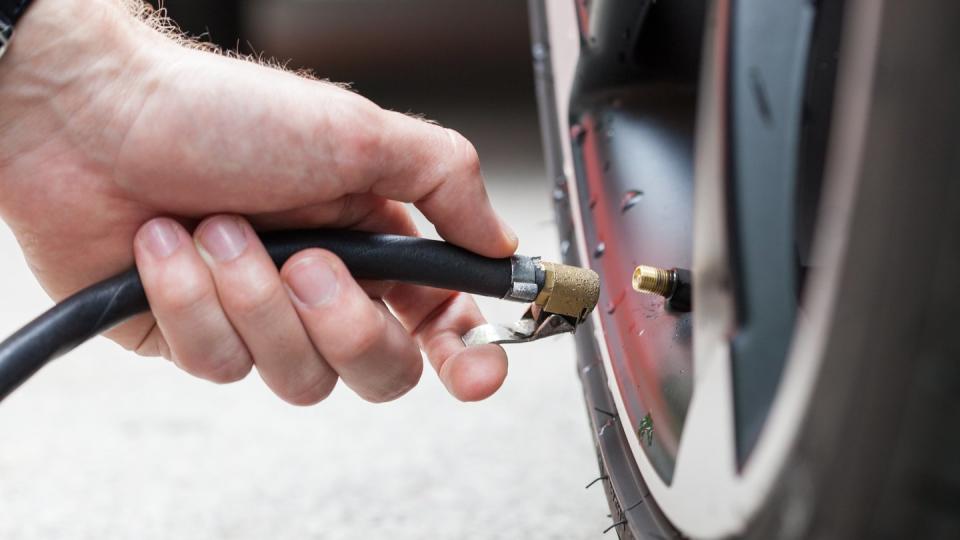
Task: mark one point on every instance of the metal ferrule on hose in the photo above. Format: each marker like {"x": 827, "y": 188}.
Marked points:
{"x": 526, "y": 279}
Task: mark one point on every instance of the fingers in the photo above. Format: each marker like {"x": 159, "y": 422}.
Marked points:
{"x": 358, "y": 337}
{"x": 221, "y": 307}
{"x": 256, "y": 303}
{"x": 438, "y": 319}
{"x": 362, "y": 212}
{"x": 439, "y": 170}
{"x": 184, "y": 301}
{"x": 469, "y": 374}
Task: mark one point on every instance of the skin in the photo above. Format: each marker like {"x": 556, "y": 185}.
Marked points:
{"x": 120, "y": 145}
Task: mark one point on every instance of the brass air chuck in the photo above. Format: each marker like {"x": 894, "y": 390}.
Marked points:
{"x": 569, "y": 290}
{"x": 673, "y": 284}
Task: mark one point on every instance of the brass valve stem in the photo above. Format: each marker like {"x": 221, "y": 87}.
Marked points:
{"x": 673, "y": 284}
{"x": 649, "y": 279}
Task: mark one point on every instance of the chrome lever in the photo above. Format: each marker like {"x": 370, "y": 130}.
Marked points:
{"x": 535, "y": 324}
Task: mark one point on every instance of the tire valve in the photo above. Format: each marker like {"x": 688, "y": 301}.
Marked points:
{"x": 673, "y": 284}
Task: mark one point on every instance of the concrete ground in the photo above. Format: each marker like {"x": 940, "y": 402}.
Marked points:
{"x": 103, "y": 444}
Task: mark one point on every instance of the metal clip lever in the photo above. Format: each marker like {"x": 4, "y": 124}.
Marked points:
{"x": 564, "y": 299}
{"x": 530, "y": 327}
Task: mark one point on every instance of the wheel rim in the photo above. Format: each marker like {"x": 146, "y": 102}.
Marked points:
{"x": 712, "y": 491}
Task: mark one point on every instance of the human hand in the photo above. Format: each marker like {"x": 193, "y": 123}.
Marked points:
{"x": 116, "y": 142}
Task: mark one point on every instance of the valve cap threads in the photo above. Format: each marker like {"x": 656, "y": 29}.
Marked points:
{"x": 673, "y": 284}
{"x": 649, "y": 279}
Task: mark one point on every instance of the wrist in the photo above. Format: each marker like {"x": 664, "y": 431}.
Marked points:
{"x": 75, "y": 68}
{"x": 55, "y": 32}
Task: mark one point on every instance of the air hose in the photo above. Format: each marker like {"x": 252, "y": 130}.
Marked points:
{"x": 368, "y": 256}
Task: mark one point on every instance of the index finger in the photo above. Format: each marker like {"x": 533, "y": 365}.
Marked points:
{"x": 438, "y": 170}
{"x": 438, "y": 319}
{"x": 315, "y": 144}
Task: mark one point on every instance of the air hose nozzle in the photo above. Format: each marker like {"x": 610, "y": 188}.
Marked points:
{"x": 564, "y": 296}
{"x": 569, "y": 290}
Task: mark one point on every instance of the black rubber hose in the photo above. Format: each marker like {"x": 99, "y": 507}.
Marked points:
{"x": 368, "y": 256}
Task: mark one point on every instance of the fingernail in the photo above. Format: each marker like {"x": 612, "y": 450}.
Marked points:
{"x": 313, "y": 282}
{"x": 223, "y": 238}
{"x": 160, "y": 237}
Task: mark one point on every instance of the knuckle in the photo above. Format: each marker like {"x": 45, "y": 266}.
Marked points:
{"x": 256, "y": 299}
{"x": 186, "y": 296}
{"x": 224, "y": 367}
{"x": 152, "y": 344}
{"x": 467, "y": 158}
{"x": 398, "y": 388}
{"x": 227, "y": 369}
{"x": 310, "y": 392}
{"x": 367, "y": 335}
{"x": 362, "y": 145}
